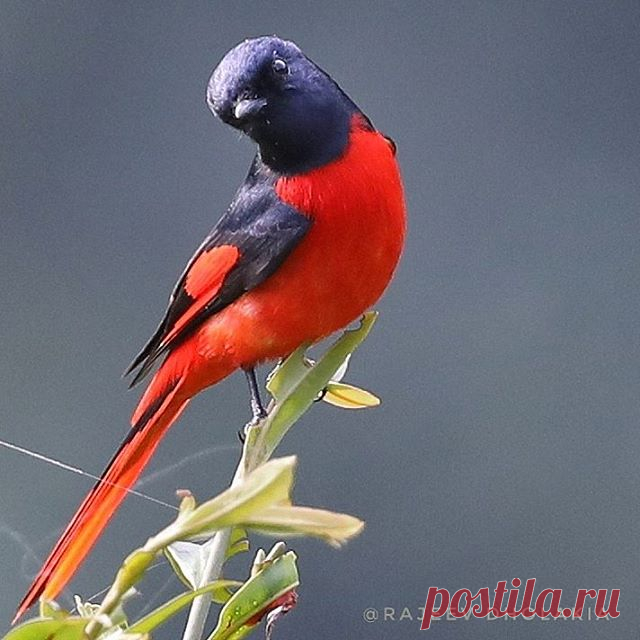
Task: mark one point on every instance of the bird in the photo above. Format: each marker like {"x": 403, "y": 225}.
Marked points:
{"x": 309, "y": 242}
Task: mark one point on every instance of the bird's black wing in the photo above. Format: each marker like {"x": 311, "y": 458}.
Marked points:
{"x": 247, "y": 245}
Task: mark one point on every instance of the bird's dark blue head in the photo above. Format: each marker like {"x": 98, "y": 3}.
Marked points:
{"x": 296, "y": 113}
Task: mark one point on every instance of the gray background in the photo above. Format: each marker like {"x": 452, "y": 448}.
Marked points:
{"x": 507, "y": 348}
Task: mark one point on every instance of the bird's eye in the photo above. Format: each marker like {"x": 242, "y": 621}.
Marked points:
{"x": 279, "y": 66}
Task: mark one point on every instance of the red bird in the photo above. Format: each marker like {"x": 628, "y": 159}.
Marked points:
{"x": 309, "y": 242}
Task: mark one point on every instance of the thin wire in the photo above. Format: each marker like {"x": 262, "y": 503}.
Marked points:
{"x": 145, "y": 480}
{"x": 81, "y": 472}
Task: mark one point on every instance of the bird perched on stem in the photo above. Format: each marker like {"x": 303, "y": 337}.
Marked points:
{"x": 309, "y": 242}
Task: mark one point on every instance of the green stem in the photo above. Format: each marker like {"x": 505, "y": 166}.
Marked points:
{"x": 199, "y": 610}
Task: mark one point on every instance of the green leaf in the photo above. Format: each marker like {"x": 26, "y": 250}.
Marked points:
{"x": 270, "y": 484}
{"x": 132, "y": 569}
{"x": 253, "y": 600}
{"x": 222, "y": 594}
{"x": 71, "y": 628}
{"x": 296, "y": 386}
{"x": 334, "y": 528}
{"x": 238, "y": 543}
{"x": 165, "y": 612}
{"x": 51, "y": 609}
{"x": 346, "y": 396}
{"x": 287, "y": 374}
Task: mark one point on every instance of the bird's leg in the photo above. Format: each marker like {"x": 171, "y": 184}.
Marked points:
{"x": 257, "y": 408}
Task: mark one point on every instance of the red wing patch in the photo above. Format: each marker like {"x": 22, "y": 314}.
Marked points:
{"x": 207, "y": 273}
{"x": 203, "y": 281}
{"x": 245, "y": 247}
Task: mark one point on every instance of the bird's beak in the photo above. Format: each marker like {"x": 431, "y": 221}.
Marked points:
{"x": 248, "y": 108}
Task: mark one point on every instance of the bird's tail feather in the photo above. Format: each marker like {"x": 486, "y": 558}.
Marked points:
{"x": 157, "y": 411}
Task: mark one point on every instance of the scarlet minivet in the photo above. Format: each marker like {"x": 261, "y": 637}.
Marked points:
{"x": 309, "y": 242}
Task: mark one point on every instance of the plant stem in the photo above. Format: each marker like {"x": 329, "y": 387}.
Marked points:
{"x": 200, "y": 606}
{"x": 199, "y": 610}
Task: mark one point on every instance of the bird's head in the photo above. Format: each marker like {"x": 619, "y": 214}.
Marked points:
{"x": 290, "y": 107}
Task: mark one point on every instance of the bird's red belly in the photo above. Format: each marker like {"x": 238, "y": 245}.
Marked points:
{"x": 340, "y": 268}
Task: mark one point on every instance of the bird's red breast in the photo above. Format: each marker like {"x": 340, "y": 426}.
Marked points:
{"x": 339, "y": 269}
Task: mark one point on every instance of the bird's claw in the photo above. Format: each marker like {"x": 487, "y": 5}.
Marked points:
{"x": 321, "y": 395}
{"x": 254, "y": 423}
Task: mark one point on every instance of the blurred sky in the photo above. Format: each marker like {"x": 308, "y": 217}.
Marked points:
{"x": 507, "y": 349}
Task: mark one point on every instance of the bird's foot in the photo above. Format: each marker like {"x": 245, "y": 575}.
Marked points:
{"x": 254, "y": 423}
{"x": 256, "y": 420}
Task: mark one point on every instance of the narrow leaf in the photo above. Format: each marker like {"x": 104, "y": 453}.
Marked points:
{"x": 286, "y": 375}
{"x": 347, "y": 396}
{"x": 239, "y": 542}
{"x": 51, "y": 609}
{"x": 71, "y": 628}
{"x": 270, "y": 484}
{"x": 165, "y": 612}
{"x": 334, "y": 528}
{"x": 259, "y": 595}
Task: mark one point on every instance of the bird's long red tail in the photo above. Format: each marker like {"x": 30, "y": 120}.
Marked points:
{"x": 159, "y": 408}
